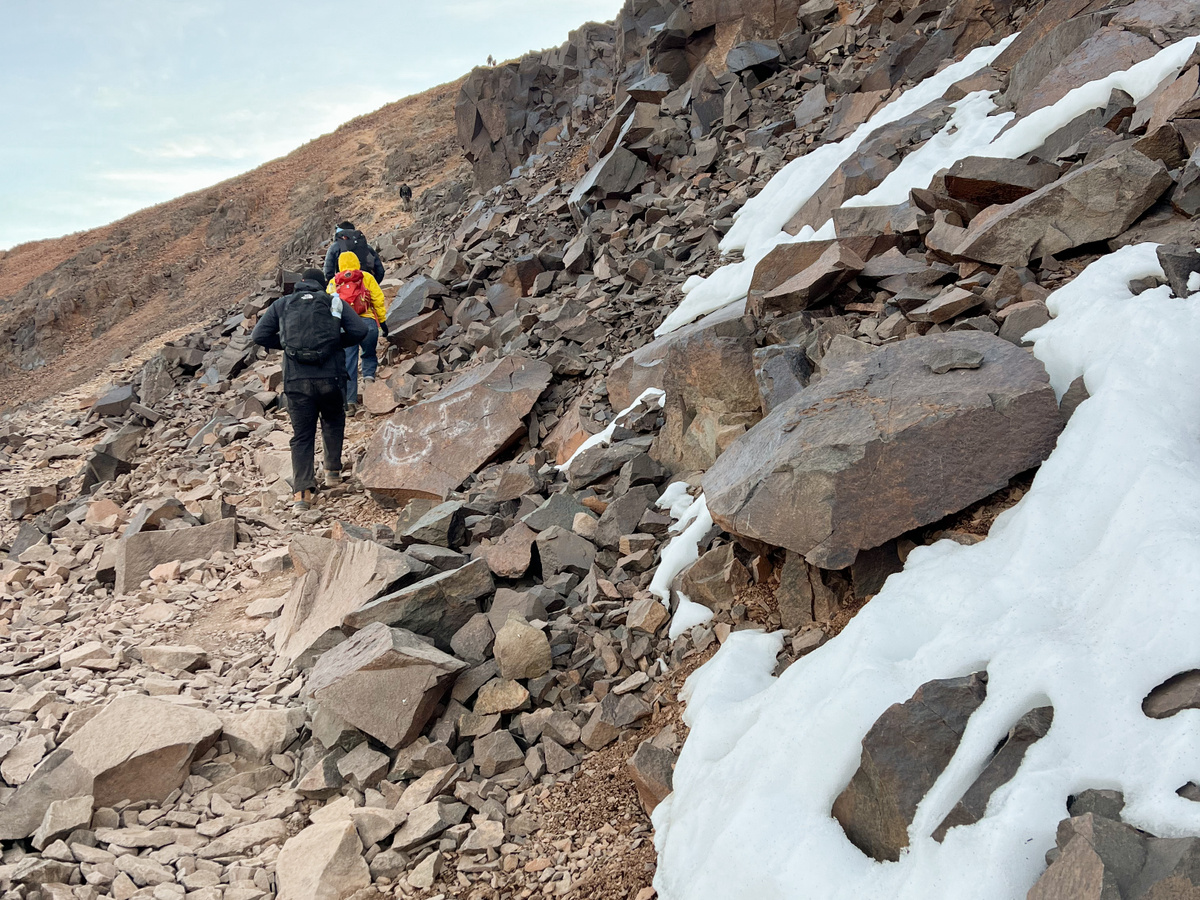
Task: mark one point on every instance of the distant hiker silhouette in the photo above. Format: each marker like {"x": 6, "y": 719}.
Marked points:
{"x": 348, "y": 238}
{"x": 362, "y": 292}
{"x": 491, "y": 60}
{"x": 406, "y": 196}
{"x": 312, "y": 329}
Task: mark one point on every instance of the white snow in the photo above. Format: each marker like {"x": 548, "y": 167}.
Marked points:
{"x": 648, "y": 396}
{"x": 688, "y": 615}
{"x": 1085, "y": 595}
{"x": 1193, "y": 283}
{"x": 693, "y": 523}
{"x": 972, "y": 131}
{"x": 758, "y": 228}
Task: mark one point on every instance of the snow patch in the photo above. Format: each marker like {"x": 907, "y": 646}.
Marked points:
{"x": 650, "y": 396}
{"x": 1086, "y": 593}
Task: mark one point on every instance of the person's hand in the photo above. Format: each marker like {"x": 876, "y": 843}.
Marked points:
{"x": 383, "y": 327}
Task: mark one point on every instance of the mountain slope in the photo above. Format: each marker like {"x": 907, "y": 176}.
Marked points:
{"x": 172, "y": 264}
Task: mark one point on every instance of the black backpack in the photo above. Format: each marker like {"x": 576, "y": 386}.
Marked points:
{"x": 308, "y": 329}
{"x": 356, "y": 242}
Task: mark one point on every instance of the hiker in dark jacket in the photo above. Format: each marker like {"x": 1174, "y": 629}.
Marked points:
{"x": 313, "y": 389}
{"x": 348, "y": 239}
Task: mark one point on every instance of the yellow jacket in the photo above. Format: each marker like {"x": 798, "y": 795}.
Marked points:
{"x": 378, "y": 309}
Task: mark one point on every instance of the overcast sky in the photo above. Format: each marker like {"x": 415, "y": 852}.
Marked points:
{"x": 114, "y": 105}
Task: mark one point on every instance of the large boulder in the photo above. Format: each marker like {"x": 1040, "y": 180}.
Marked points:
{"x": 384, "y": 681}
{"x": 644, "y": 367}
{"x": 436, "y": 607}
{"x": 712, "y": 397}
{"x": 882, "y": 445}
{"x": 322, "y": 862}
{"x": 138, "y": 553}
{"x": 428, "y": 449}
{"x": 903, "y": 754}
{"x": 353, "y": 575}
{"x": 1096, "y": 202}
{"x": 139, "y": 748}
{"x": 59, "y": 777}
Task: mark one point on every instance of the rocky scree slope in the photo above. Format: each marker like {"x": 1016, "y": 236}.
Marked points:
{"x": 456, "y": 676}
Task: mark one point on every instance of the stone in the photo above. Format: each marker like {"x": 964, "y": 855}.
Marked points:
{"x": 945, "y": 306}
{"x": 425, "y": 873}
{"x": 138, "y": 553}
{"x": 984, "y": 181}
{"x": 473, "y": 642}
{"x": 376, "y": 662}
{"x": 410, "y": 300}
{"x": 645, "y": 367}
{"x": 1106, "y": 51}
{"x": 436, "y": 607}
{"x": 1095, "y": 202}
{"x": 461, "y": 427}
{"x": 500, "y": 696}
{"x": 259, "y": 734}
{"x": 322, "y": 862}
{"x": 652, "y": 770}
{"x": 1019, "y": 319}
{"x": 836, "y": 265}
{"x": 497, "y": 753}
{"x": 1174, "y": 695}
{"x": 139, "y": 748}
{"x": 618, "y": 174}
{"x": 623, "y": 514}
{"x": 903, "y": 754}
{"x": 832, "y": 471}
{"x": 115, "y": 403}
{"x": 441, "y": 526}
{"x": 379, "y": 398}
{"x": 512, "y": 553}
{"x": 715, "y": 579}
{"x": 781, "y": 370}
{"x": 752, "y": 54}
{"x": 561, "y": 551}
{"x": 241, "y": 840}
{"x": 521, "y": 650}
{"x": 648, "y": 615}
{"x": 1000, "y": 769}
{"x": 354, "y": 574}
{"x": 1097, "y": 858}
{"x": 34, "y": 871}
{"x": 363, "y": 766}
{"x": 1179, "y": 262}
{"x": 528, "y": 605}
{"x": 375, "y": 825}
{"x": 174, "y": 658}
{"x": 61, "y": 818}
{"x": 58, "y": 778}
{"x": 947, "y": 359}
{"x": 427, "y": 822}
{"x": 560, "y": 509}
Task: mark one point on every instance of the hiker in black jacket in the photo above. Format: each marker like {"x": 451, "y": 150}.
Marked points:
{"x": 312, "y": 329}
{"x": 347, "y": 238}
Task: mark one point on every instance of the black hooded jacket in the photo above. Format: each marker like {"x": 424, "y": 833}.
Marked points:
{"x": 266, "y": 334}
{"x": 354, "y": 242}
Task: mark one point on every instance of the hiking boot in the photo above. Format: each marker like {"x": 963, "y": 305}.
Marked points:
{"x": 302, "y": 501}
{"x": 370, "y": 379}
{"x": 351, "y": 410}
{"x": 333, "y": 479}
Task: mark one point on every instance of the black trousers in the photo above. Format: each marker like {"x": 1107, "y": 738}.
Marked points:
{"x": 310, "y": 399}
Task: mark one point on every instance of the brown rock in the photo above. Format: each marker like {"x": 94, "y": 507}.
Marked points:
{"x": 426, "y": 450}
{"x": 512, "y": 553}
{"x": 521, "y": 650}
{"x": 834, "y": 471}
{"x": 1095, "y": 202}
{"x": 903, "y": 754}
{"x": 322, "y": 862}
{"x": 139, "y": 748}
{"x": 138, "y": 553}
{"x": 652, "y": 770}
{"x": 379, "y": 662}
{"x": 354, "y": 574}
{"x": 715, "y": 579}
